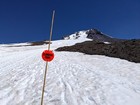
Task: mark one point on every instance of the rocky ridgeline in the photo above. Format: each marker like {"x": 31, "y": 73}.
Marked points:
{"x": 97, "y": 35}
{"x": 128, "y": 49}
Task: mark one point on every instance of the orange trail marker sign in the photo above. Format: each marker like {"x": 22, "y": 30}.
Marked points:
{"x": 47, "y": 56}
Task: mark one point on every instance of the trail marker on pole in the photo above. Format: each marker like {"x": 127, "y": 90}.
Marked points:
{"x": 47, "y": 56}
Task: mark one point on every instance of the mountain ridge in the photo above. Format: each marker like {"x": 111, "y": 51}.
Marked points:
{"x": 93, "y": 34}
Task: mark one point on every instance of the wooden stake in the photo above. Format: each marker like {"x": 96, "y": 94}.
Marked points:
{"x": 51, "y": 30}
{"x": 46, "y": 68}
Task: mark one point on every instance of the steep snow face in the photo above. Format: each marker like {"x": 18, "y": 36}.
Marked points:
{"x": 77, "y": 35}
{"x": 72, "y": 79}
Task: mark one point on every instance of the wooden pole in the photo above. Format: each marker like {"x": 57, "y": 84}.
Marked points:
{"x": 51, "y": 29}
{"x": 46, "y": 68}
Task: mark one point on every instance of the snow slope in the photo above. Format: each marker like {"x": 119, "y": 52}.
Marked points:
{"x": 77, "y": 35}
{"x": 72, "y": 79}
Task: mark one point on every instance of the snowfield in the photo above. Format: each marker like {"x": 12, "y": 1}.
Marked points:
{"x": 73, "y": 78}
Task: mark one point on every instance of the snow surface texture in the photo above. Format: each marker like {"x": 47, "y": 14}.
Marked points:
{"x": 72, "y": 79}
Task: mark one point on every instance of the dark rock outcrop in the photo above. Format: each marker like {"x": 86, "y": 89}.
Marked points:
{"x": 40, "y": 43}
{"x": 96, "y": 35}
{"x": 129, "y": 49}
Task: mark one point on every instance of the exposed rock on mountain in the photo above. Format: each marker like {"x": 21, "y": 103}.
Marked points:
{"x": 96, "y": 35}
{"x": 129, "y": 49}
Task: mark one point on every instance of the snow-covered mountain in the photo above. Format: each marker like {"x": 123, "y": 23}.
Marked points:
{"x": 76, "y": 35}
{"x": 93, "y": 34}
{"x": 73, "y": 78}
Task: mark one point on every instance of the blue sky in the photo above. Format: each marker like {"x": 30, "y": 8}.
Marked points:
{"x": 29, "y": 20}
